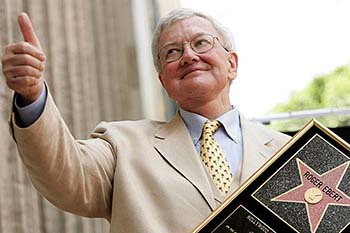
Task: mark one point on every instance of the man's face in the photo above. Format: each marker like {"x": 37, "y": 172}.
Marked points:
{"x": 196, "y": 77}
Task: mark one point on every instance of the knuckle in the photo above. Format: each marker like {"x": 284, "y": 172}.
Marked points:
{"x": 8, "y": 48}
{"x": 8, "y": 71}
{"x": 28, "y": 70}
{"x": 23, "y": 46}
{"x": 20, "y": 81}
{"x": 25, "y": 81}
{"x": 20, "y": 89}
{"x": 31, "y": 82}
{"x": 9, "y": 84}
{"x": 26, "y": 59}
{"x": 5, "y": 59}
{"x": 22, "y": 71}
{"x": 37, "y": 74}
{"x": 41, "y": 66}
{"x": 25, "y": 70}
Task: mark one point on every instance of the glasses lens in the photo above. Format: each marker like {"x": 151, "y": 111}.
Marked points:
{"x": 170, "y": 53}
{"x": 199, "y": 44}
{"x": 202, "y": 44}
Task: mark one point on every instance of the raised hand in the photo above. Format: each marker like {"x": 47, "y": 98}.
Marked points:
{"x": 23, "y": 63}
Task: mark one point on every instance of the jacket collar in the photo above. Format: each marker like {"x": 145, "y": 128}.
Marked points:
{"x": 174, "y": 143}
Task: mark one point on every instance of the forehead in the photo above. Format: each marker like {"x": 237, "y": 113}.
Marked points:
{"x": 186, "y": 29}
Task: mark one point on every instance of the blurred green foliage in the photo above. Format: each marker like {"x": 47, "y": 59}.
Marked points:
{"x": 326, "y": 91}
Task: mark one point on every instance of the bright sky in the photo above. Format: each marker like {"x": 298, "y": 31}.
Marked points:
{"x": 282, "y": 45}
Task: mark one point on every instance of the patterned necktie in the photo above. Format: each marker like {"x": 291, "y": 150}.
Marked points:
{"x": 214, "y": 159}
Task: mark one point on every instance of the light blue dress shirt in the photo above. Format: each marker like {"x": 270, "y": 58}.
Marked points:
{"x": 27, "y": 115}
{"x": 229, "y": 135}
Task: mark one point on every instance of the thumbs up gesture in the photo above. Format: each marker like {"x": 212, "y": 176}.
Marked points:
{"x": 23, "y": 63}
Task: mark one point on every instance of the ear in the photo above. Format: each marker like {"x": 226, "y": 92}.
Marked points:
{"x": 233, "y": 65}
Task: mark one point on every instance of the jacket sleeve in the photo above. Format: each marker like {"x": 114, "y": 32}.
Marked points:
{"x": 74, "y": 175}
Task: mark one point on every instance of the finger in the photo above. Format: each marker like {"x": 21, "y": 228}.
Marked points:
{"x": 28, "y": 88}
{"x": 27, "y": 30}
{"x": 25, "y": 48}
{"x": 23, "y": 59}
{"x": 23, "y": 85}
{"x": 18, "y": 71}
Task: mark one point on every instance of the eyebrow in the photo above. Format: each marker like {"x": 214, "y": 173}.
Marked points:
{"x": 193, "y": 36}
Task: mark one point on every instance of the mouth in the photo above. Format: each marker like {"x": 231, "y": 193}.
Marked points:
{"x": 191, "y": 71}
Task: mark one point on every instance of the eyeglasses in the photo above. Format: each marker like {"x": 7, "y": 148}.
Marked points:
{"x": 199, "y": 44}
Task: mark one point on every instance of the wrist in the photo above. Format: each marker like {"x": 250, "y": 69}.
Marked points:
{"x": 25, "y": 100}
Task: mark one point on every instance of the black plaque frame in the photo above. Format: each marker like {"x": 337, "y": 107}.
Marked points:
{"x": 248, "y": 209}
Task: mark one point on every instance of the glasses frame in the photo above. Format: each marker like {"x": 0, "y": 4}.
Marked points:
{"x": 190, "y": 43}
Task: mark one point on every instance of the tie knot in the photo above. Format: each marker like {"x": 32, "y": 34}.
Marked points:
{"x": 210, "y": 127}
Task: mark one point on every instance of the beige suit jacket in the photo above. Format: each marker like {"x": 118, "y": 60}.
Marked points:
{"x": 142, "y": 176}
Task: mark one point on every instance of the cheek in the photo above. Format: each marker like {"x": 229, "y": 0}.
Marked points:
{"x": 223, "y": 68}
{"x": 218, "y": 70}
{"x": 167, "y": 75}
{"x": 169, "y": 71}
{"x": 217, "y": 62}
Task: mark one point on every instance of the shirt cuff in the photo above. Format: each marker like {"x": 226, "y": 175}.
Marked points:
{"x": 27, "y": 115}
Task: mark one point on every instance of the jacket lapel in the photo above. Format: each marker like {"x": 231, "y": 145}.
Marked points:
{"x": 174, "y": 143}
{"x": 256, "y": 148}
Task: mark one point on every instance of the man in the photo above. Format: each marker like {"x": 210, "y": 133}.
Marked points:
{"x": 143, "y": 176}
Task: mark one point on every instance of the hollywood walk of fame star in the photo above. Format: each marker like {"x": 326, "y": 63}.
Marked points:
{"x": 317, "y": 191}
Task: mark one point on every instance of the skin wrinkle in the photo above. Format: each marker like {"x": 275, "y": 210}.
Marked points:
{"x": 198, "y": 82}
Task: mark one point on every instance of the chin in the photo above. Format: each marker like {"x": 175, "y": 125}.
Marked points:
{"x": 198, "y": 74}
{"x": 201, "y": 85}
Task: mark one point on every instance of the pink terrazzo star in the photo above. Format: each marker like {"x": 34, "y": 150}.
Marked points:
{"x": 327, "y": 183}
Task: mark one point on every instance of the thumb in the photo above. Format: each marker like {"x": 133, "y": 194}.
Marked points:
{"x": 28, "y": 31}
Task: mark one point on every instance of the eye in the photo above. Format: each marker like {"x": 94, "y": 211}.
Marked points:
{"x": 201, "y": 42}
{"x": 173, "y": 51}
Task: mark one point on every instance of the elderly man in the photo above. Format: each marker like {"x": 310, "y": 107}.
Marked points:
{"x": 143, "y": 176}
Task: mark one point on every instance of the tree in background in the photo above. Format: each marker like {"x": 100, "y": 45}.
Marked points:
{"x": 326, "y": 91}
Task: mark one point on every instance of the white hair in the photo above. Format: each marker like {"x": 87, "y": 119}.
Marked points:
{"x": 184, "y": 13}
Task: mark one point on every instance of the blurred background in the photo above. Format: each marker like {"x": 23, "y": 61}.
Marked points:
{"x": 294, "y": 65}
{"x": 294, "y": 58}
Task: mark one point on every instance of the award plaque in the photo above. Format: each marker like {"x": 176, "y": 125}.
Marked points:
{"x": 304, "y": 187}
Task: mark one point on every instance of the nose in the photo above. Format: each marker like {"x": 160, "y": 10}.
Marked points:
{"x": 188, "y": 56}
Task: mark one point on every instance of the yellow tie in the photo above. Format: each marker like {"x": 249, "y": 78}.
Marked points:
{"x": 214, "y": 159}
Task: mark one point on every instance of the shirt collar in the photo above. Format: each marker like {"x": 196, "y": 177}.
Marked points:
{"x": 229, "y": 120}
